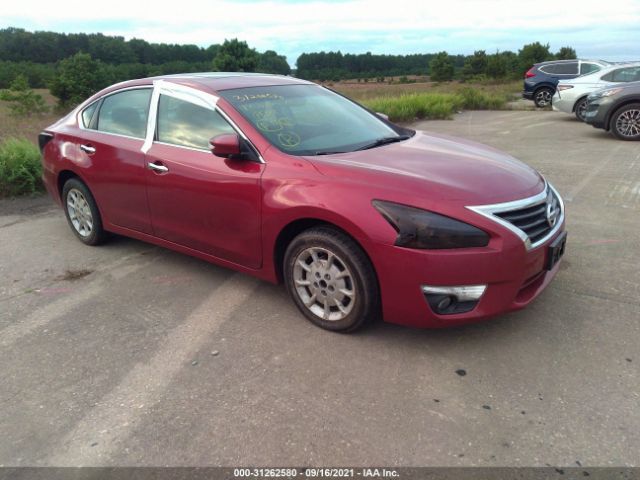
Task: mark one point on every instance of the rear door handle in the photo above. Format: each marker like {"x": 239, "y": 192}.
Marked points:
{"x": 157, "y": 167}
{"x": 88, "y": 149}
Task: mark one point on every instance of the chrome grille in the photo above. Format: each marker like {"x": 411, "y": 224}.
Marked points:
{"x": 534, "y": 219}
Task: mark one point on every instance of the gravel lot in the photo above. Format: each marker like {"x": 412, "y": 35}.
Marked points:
{"x": 129, "y": 354}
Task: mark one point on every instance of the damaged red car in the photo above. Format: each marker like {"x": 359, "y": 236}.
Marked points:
{"x": 291, "y": 182}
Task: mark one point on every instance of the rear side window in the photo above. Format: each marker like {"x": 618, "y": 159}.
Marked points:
{"x": 188, "y": 125}
{"x": 628, "y": 74}
{"x": 125, "y": 113}
{"x": 569, "y": 68}
{"x": 586, "y": 68}
{"x": 87, "y": 114}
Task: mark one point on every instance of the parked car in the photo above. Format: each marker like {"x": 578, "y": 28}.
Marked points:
{"x": 571, "y": 95}
{"x": 616, "y": 109}
{"x": 540, "y": 80}
{"x": 288, "y": 181}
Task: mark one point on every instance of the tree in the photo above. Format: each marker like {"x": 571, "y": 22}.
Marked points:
{"x": 533, "y": 53}
{"x": 23, "y": 101}
{"x": 497, "y": 66}
{"x": 475, "y": 64}
{"x": 235, "y": 56}
{"x": 77, "y": 78}
{"x": 566, "y": 53}
{"x": 271, "y": 62}
{"x": 441, "y": 68}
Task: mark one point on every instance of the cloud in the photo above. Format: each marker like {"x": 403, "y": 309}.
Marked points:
{"x": 402, "y": 26}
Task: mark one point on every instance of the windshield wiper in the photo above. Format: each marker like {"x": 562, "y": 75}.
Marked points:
{"x": 384, "y": 141}
{"x": 329, "y": 152}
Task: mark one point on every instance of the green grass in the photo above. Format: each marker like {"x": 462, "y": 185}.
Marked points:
{"x": 412, "y": 106}
{"x": 416, "y": 105}
{"x": 20, "y": 168}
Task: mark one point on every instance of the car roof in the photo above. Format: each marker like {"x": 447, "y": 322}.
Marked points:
{"x": 613, "y": 66}
{"x": 213, "y": 82}
{"x": 548, "y": 62}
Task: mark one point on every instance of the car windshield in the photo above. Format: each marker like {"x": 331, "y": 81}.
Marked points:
{"x": 310, "y": 120}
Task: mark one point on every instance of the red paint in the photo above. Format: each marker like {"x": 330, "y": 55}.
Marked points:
{"x": 230, "y": 212}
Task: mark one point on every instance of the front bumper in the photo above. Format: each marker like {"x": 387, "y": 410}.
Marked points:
{"x": 513, "y": 276}
{"x": 597, "y": 112}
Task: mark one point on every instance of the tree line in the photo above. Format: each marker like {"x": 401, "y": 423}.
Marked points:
{"x": 338, "y": 66}
{"x": 75, "y": 65}
{"x": 37, "y": 56}
{"x": 439, "y": 66}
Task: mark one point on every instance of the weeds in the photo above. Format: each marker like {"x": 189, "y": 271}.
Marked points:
{"x": 412, "y": 106}
{"x": 20, "y": 168}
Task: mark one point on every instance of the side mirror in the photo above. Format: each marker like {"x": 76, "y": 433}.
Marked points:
{"x": 226, "y": 145}
{"x": 383, "y": 115}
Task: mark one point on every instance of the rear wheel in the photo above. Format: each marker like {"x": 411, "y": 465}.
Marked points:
{"x": 625, "y": 123}
{"x": 331, "y": 280}
{"x": 542, "y": 97}
{"x": 580, "y": 109}
{"x": 82, "y": 212}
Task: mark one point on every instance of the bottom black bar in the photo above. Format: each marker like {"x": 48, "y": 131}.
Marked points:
{"x": 314, "y": 473}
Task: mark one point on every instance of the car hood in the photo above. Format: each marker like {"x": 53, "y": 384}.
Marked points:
{"x": 439, "y": 166}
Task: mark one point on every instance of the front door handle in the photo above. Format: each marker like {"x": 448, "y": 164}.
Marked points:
{"x": 157, "y": 167}
{"x": 88, "y": 149}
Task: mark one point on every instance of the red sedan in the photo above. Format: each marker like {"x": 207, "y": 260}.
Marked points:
{"x": 288, "y": 181}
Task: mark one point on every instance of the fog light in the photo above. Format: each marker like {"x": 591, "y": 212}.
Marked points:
{"x": 450, "y": 300}
{"x": 444, "y": 303}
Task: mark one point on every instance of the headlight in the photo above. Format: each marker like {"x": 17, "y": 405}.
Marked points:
{"x": 611, "y": 91}
{"x": 563, "y": 87}
{"x": 427, "y": 230}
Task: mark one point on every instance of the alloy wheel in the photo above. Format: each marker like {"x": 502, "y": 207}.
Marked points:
{"x": 79, "y": 212}
{"x": 628, "y": 123}
{"x": 543, "y": 98}
{"x": 581, "y": 110}
{"x": 324, "y": 284}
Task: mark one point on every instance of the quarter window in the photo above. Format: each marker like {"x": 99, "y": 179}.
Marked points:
{"x": 188, "y": 125}
{"x": 87, "y": 114}
{"x": 586, "y": 68}
{"x": 125, "y": 113}
{"x": 569, "y": 68}
{"x": 550, "y": 69}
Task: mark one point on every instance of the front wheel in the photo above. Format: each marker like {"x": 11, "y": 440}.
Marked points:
{"x": 542, "y": 97}
{"x": 625, "y": 123}
{"x": 331, "y": 280}
{"x": 580, "y": 109}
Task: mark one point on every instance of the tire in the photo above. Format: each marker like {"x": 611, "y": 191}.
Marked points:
{"x": 331, "y": 280}
{"x": 625, "y": 122}
{"x": 580, "y": 109}
{"x": 542, "y": 97}
{"x": 82, "y": 212}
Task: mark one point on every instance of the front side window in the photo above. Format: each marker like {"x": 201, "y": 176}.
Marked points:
{"x": 125, "y": 113}
{"x": 188, "y": 125}
{"x": 309, "y": 120}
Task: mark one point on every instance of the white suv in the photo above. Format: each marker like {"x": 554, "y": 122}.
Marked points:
{"x": 571, "y": 95}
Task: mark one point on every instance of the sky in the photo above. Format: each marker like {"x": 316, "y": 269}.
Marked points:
{"x": 596, "y": 29}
